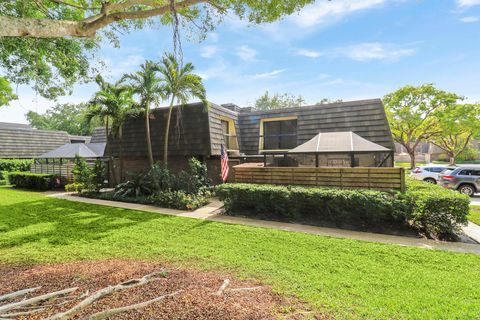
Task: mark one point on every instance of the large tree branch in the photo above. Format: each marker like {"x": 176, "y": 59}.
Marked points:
{"x": 47, "y": 28}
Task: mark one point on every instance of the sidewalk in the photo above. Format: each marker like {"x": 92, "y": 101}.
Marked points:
{"x": 212, "y": 211}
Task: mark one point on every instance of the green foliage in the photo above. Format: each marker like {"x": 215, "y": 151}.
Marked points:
{"x": 435, "y": 211}
{"x": 413, "y": 114}
{"x": 474, "y": 215}
{"x": 98, "y": 175}
{"x": 336, "y": 277}
{"x": 34, "y": 181}
{"x": 3, "y": 182}
{"x": 432, "y": 210}
{"x": 179, "y": 84}
{"x": 181, "y": 200}
{"x": 68, "y": 117}
{"x": 74, "y": 187}
{"x": 6, "y": 92}
{"x": 15, "y": 164}
{"x": 289, "y": 202}
{"x": 459, "y": 125}
{"x": 82, "y": 173}
{"x": 138, "y": 185}
{"x": 278, "y": 101}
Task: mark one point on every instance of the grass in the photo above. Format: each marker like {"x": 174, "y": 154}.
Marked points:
{"x": 474, "y": 214}
{"x": 343, "y": 278}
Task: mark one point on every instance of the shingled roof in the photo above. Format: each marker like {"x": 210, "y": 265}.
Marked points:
{"x": 22, "y": 141}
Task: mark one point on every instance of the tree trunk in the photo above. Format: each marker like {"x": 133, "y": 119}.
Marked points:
{"x": 167, "y": 131}
{"x": 147, "y": 134}
{"x": 120, "y": 136}
{"x": 413, "y": 160}
{"x": 451, "y": 157}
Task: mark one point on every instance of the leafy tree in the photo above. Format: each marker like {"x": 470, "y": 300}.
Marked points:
{"x": 278, "y": 101}
{"x": 180, "y": 85}
{"x": 413, "y": 114}
{"x": 82, "y": 173}
{"x": 147, "y": 85}
{"x": 68, "y": 117}
{"x": 458, "y": 124}
{"x": 6, "y": 92}
{"x": 65, "y": 33}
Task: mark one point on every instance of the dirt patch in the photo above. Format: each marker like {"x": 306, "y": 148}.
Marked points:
{"x": 197, "y": 299}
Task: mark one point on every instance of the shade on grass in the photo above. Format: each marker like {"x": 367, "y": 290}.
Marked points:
{"x": 344, "y": 278}
{"x": 474, "y": 215}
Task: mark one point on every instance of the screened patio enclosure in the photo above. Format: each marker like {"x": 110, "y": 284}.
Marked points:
{"x": 333, "y": 149}
{"x": 60, "y": 161}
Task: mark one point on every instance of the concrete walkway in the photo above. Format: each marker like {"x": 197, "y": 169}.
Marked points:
{"x": 473, "y": 231}
{"x": 212, "y": 211}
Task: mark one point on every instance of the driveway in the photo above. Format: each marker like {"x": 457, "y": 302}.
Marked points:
{"x": 475, "y": 200}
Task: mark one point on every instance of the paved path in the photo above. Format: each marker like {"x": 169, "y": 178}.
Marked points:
{"x": 475, "y": 200}
{"x": 212, "y": 211}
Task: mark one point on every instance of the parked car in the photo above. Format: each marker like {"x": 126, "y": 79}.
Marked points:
{"x": 465, "y": 179}
{"x": 428, "y": 174}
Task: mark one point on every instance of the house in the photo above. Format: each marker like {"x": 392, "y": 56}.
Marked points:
{"x": 22, "y": 141}
{"x": 247, "y": 134}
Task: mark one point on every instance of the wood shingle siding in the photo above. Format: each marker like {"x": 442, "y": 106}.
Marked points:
{"x": 366, "y": 118}
{"x": 215, "y": 115}
{"x": 189, "y": 138}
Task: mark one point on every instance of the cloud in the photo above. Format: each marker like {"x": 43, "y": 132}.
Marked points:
{"x": 325, "y": 11}
{"x": 268, "y": 75}
{"x": 467, "y": 3}
{"x": 129, "y": 64}
{"x": 309, "y": 53}
{"x": 469, "y": 19}
{"x": 208, "y": 51}
{"x": 246, "y": 53}
{"x": 373, "y": 51}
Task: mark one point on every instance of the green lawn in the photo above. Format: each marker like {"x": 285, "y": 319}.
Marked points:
{"x": 344, "y": 278}
{"x": 474, "y": 214}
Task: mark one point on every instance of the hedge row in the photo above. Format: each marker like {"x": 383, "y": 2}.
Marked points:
{"x": 12, "y": 165}
{"x": 34, "y": 181}
{"x": 432, "y": 210}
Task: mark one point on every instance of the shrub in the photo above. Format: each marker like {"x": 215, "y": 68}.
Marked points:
{"x": 180, "y": 199}
{"x": 3, "y": 182}
{"x": 11, "y": 165}
{"x": 74, "y": 187}
{"x": 35, "y": 181}
{"x": 98, "y": 173}
{"x": 432, "y": 210}
{"x": 435, "y": 211}
{"x": 139, "y": 185}
{"x": 81, "y": 171}
{"x": 289, "y": 203}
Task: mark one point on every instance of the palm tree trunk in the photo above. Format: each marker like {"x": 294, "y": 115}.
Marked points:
{"x": 147, "y": 131}
{"x": 120, "y": 137}
{"x": 167, "y": 131}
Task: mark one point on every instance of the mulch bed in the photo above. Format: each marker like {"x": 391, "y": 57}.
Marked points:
{"x": 196, "y": 301}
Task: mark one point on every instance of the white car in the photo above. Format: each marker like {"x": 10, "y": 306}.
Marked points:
{"x": 428, "y": 173}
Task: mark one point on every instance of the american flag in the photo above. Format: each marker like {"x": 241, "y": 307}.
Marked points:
{"x": 224, "y": 163}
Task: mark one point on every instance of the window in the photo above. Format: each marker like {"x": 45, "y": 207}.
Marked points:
{"x": 280, "y": 135}
{"x": 469, "y": 172}
{"x": 229, "y": 134}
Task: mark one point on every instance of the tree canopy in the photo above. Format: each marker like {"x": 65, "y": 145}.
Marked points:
{"x": 278, "y": 101}
{"x": 64, "y": 117}
{"x": 413, "y": 114}
{"x": 48, "y": 44}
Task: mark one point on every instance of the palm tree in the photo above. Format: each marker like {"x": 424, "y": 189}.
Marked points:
{"x": 146, "y": 84}
{"x": 112, "y": 103}
{"x": 179, "y": 84}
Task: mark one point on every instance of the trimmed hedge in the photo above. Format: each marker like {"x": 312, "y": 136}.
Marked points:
{"x": 432, "y": 210}
{"x": 35, "y": 181}
{"x": 12, "y": 165}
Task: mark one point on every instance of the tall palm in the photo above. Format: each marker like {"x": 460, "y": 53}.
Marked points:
{"x": 180, "y": 84}
{"x": 147, "y": 85}
{"x": 112, "y": 103}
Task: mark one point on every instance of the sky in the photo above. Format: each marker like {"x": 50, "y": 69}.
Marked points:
{"x": 340, "y": 49}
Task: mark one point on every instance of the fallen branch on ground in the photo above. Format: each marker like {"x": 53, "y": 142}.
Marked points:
{"x": 16, "y": 305}
{"x": 22, "y": 313}
{"x": 18, "y": 293}
{"x": 106, "y": 291}
{"x": 225, "y": 284}
{"x": 110, "y": 312}
{"x": 246, "y": 289}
